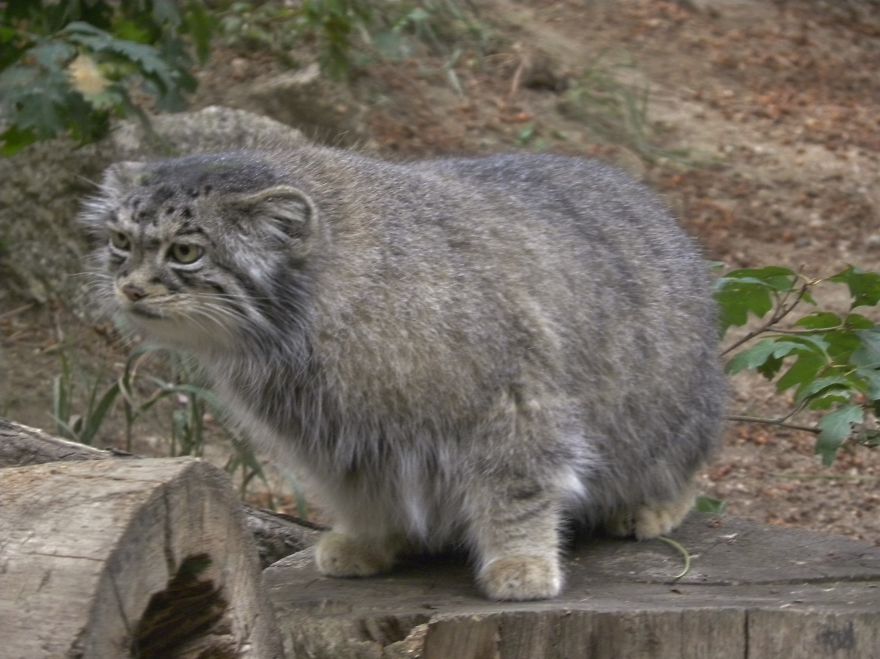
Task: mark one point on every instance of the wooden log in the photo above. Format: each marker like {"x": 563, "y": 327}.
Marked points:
{"x": 752, "y": 591}
{"x": 115, "y": 558}
{"x": 276, "y": 535}
{"x": 22, "y": 445}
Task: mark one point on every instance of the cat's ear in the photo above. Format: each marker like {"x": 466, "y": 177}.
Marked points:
{"x": 285, "y": 208}
{"x": 117, "y": 180}
{"x": 123, "y": 176}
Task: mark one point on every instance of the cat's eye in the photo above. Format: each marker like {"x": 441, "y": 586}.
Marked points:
{"x": 120, "y": 241}
{"x": 185, "y": 253}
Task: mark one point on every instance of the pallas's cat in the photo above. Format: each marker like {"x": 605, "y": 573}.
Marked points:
{"x": 463, "y": 352}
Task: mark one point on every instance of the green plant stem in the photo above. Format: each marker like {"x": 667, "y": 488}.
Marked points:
{"x": 15, "y": 312}
{"x": 829, "y": 477}
{"x": 681, "y": 550}
{"x": 772, "y": 422}
{"x": 822, "y": 330}
{"x": 781, "y": 312}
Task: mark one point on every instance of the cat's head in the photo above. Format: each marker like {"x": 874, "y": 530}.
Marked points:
{"x": 199, "y": 252}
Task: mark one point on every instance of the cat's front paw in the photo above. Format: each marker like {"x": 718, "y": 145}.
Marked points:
{"x": 340, "y": 555}
{"x": 521, "y": 578}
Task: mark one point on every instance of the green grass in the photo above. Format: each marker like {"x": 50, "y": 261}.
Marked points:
{"x": 616, "y": 112}
{"x": 153, "y": 390}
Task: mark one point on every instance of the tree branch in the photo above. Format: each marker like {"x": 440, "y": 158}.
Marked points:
{"x": 773, "y": 422}
{"x": 779, "y": 313}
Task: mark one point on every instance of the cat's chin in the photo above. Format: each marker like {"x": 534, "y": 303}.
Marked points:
{"x": 173, "y": 333}
{"x": 141, "y": 312}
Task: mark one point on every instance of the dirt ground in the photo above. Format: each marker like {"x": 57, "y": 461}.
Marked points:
{"x": 762, "y": 132}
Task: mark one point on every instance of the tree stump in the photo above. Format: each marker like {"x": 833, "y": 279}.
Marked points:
{"x": 752, "y": 591}
{"x": 115, "y": 558}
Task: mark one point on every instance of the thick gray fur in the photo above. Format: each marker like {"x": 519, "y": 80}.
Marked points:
{"x": 451, "y": 352}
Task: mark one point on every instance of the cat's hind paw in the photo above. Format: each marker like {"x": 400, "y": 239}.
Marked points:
{"x": 652, "y": 519}
{"x": 521, "y": 578}
{"x": 656, "y": 519}
{"x": 340, "y": 555}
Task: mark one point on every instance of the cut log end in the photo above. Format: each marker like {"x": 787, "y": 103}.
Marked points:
{"x": 148, "y": 558}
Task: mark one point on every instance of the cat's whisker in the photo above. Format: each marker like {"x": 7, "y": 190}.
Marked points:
{"x": 233, "y": 296}
{"x": 190, "y": 317}
{"x": 86, "y": 179}
{"x": 97, "y": 276}
{"x": 221, "y": 314}
{"x": 213, "y": 316}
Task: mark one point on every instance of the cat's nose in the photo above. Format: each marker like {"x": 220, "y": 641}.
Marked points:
{"x": 134, "y": 293}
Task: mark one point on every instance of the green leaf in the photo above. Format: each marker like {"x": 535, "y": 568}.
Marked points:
{"x": 52, "y": 54}
{"x": 776, "y": 277}
{"x": 867, "y": 354}
{"x": 111, "y": 98}
{"x": 814, "y": 343}
{"x": 836, "y": 428}
{"x": 829, "y": 399}
{"x": 864, "y": 287}
{"x": 165, "y": 12}
{"x": 857, "y": 321}
{"x": 201, "y": 26}
{"x": 40, "y": 108}
{"x": 806, "y": 366}
{"x": 146, "y": 57}
{"x": 526, "y": 134}
{"x": 704, "y": 504}
{"x": 130, "y": 30}
{"x": 820, "y": 320}
{"x": 737, "y": 299}
{"x": 773, "y": 349}
{"x": 751, "y": 358}
{"x": 771, "y": 367}
{"x": 14, "y": 139}
{"x": 871, "y": 378}
{"x": 16, "y": 79}
{"x": 820, "y": 385}
{"x": 7, "y": 34}
{"x": 841, "y": 344}
{"x": 418, "y": 15}
{"x": 97, "y": 415}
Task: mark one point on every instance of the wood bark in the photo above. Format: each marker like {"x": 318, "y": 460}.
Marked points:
{"x": 752, "y": 591}
{"x": 276, "y": 535}
{"x": 22, "y": 445}
{"x": 114, "y": 558}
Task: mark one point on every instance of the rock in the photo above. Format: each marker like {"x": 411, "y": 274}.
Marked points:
{"x": 325, "y": 111}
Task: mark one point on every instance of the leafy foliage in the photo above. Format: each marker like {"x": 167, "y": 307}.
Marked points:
{"x": 829, "y": 361}
{"x": 68, "y": 67}
{"x": 348, "y": 33}
{"x": 335, "y": 21}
